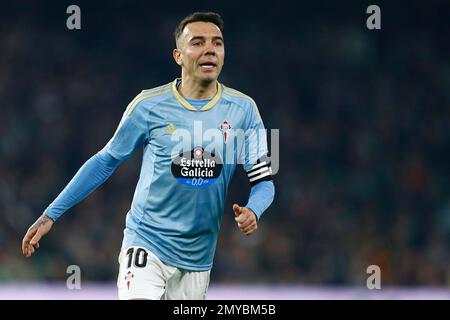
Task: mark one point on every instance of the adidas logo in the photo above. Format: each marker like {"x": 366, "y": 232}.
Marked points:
{"x": 170, "y": 128}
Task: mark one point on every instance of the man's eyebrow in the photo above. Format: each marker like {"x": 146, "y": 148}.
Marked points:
{"x": 203, "y": 38}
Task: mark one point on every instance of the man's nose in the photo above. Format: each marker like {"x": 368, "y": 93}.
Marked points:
{"x": 210, "y": 50}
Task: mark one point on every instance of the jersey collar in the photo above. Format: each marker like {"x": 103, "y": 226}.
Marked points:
{"x": 188, "y": 106}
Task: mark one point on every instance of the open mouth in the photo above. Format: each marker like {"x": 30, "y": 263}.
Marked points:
{"x": 208, "y": 65}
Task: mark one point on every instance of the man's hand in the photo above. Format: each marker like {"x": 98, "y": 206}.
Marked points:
{"x": 30, "y": 242}
{"x": 246, "y": 219}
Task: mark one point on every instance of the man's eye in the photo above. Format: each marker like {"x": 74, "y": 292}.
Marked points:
{"x": 195, "y": 44}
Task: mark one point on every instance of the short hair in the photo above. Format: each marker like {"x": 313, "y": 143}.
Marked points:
{"x": 198, "y": 17}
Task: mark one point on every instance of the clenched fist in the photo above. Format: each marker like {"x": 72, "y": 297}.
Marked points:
{"x": 246, "y": 219}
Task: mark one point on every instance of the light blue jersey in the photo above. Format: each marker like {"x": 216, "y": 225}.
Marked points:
{"x": 179, "y": 199}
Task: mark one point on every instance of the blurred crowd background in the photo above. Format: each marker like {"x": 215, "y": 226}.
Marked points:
{"x": 364, "y": 135}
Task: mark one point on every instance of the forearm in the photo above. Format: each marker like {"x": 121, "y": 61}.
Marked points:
{"x": 261, "y": 196}
{"x": 90, "y": 176}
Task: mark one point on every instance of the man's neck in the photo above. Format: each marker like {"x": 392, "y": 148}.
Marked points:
{"x": 194, "y": 90}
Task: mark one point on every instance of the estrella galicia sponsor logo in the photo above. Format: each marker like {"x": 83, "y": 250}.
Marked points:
{"x": 196, "y": 168}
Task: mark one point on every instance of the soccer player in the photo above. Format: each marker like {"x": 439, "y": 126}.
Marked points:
{"x": 189, "y": 130}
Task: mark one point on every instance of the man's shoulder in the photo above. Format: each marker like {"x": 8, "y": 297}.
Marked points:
{"x": 150, "y": 97}
{"x": 155, "y": 92}
{"x": 244, "y": 101}
{"x": 237, "y": 96}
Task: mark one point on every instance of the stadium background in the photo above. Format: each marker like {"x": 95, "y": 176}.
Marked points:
{"x": 364, "y": 139}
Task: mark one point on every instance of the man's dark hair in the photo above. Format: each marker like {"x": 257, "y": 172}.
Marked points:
{"x": 199, "y": 17}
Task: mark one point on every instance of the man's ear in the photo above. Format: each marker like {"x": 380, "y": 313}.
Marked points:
{"x": 177, "y": 56}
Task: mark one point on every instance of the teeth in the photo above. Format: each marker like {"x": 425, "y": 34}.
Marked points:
{"x": 207, "y": 66}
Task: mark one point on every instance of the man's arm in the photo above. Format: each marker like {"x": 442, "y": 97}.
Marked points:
{"x": 90, "y": 176}
{"x": 257, "y": 166}
{"x": 131, "y": 133}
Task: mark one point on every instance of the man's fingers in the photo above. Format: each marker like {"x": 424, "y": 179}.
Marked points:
{"x": 249, "y": 231}
{"x": 24, "y": 247}
{"x": 36, "y": 238}
{"x": 246, "y": 217}
{"x": 29, "y": 235}
{"x": 30, "y": 250}
{"x": 252, "y": 227}
{"x": 241, "y": 219}
{"x": 245, "y": 224}
{"x": 27, "y": 248}
{"x": 248, "y": 226}
{"x": 26, "y": 240}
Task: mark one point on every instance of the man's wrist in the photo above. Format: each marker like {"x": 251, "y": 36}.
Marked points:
{"x": 45, "y": 214}
{"x": 253, "y": 211}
